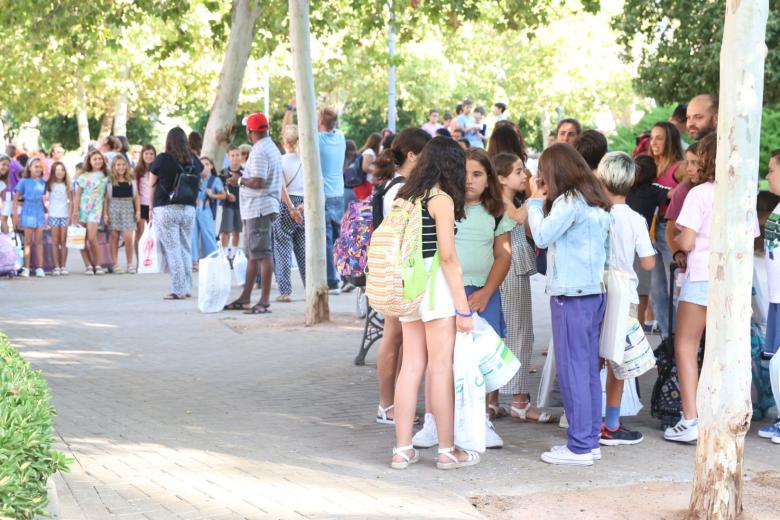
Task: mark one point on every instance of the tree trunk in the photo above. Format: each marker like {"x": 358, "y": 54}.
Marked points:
{"x": 221, "y": 126}
{"x": 106, "y": 123}
{"x": 120, "y": 112}
{"x": 723, "y": 398}
{"x": 81, "y": 116}
{"x": 317, "y": 309}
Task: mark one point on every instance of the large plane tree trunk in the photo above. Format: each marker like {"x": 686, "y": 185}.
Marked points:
{"x": 221, "y": 126}
{"x": 82, "y": 119}
{"x": 723, "y": 399}
{"x": 317, "y": 309}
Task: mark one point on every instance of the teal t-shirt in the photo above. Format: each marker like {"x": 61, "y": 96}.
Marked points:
{"x": 474, "y": 242}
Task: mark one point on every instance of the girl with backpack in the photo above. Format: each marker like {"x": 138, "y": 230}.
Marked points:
{"x": 91, "y": 207}
{"x": 124, "y": 211}
{"x": 204, "y": 240}
{"x": 568, "y": 212}
{"x": 438, "y": 180}
{"x": 391, "y": 169}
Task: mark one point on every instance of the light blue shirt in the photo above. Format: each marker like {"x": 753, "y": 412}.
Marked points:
{"x": 464, "y": 121}
{"x": 576, "y": 236}
{"x": 333, "y": 148}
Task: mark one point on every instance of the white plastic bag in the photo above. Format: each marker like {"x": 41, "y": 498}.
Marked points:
{"x": 630, "y": 405}
{"x": 469, "y": 396}
{"x": 213, "y": 282}
{"x": 497, "y": 363}
{"x": 76, "y": 237}
{"x": 239, "y": 268}
{"x": 612, "y": 343}
{"x": 149, "y": 255}
{"x": 638, "y": 357}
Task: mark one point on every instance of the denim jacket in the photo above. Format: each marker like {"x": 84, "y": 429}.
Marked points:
{"x": 577, "y": 238}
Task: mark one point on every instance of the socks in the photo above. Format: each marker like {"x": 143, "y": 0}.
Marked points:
{"x": 612, "y": 420}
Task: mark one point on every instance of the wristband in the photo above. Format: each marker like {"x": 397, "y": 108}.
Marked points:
{"x": 464, "y": 315}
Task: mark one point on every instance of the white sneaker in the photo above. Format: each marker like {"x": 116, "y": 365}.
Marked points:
{"x": 56, "y": 271}
{"x": 564, "y": 422}
{"x": 683, "y": 431}
{"x": 562, "y": 455}
{"x": 427, "y": 437}
{"x": 596, "y": 452}
{"x": 334, "y": 292}
{"x": 492, "y": 439}
{"x": 776, "y": 439}
{"x": 24, "y": 273}
{"x": 39, "y": 273}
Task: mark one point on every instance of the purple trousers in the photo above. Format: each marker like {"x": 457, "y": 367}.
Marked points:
{"x": 576, "y": 326}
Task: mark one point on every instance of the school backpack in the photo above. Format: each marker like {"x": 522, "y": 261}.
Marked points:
{"x": 396, "y": 276}
{"x": 350, "y": 250}
{"x": 378, "y": 200}
{"x": 354, "y": 174}
{"x": 8, "y": 259}
{"x": 761, "y": 384}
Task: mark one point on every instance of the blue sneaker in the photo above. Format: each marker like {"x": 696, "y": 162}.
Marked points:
{"x": 768, "y": 432}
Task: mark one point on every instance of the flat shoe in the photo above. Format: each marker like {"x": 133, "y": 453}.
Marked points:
{"x": 173, "y": 296}
{"x": 259, "y": 309}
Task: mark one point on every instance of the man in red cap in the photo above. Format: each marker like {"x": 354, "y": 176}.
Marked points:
{"x": 259, "y": 204}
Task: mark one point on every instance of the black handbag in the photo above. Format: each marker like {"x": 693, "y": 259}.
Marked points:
{"x": 185, "y": 187}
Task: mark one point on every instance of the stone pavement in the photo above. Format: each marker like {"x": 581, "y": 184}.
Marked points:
{"x": 171, "y": 414}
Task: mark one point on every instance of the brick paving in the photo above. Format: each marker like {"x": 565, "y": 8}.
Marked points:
{"x": 173, "y": 414}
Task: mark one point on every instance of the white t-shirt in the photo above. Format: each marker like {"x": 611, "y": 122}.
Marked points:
{"x": 293, "y": 174}
{"x": 58, "y": 200}
{"x": 631, "y": 237}
{"x": 771, "y": 243}
{"x": 389, "y": 197}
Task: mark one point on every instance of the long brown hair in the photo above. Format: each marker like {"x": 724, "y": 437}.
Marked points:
{"x": 141, "y": 168}
{"x": 672, "y": 151}
{"x": 564, "y": 172}
{"x": 177, "y": 146}
{"x": 507, "y": 138}
{"x": 53, "y": 178}
{"x": 373, "y": 141}
{"x": 707, "y": 150}
{"x": 408, "y": 140}
{"x": 88, "y": 162}
{"x": 491, "y": 198}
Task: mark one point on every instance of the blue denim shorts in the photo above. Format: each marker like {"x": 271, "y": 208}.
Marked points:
{"x": 694, "y": 292}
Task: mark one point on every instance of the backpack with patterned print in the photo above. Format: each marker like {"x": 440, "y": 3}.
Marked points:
{"x": 350, "y": 250}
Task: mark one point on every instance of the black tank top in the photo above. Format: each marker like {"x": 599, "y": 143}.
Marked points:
{"x": 429, "y": 244}
{"x": 122, "y": 190}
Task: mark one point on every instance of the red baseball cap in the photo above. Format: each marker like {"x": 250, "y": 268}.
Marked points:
{"x": 255, "y": 122}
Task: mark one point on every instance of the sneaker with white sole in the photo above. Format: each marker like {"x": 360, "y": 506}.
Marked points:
{"x": 776, "y": 439}
{"x": 562, "y": 455}
{"x": 771, "y": 431}
{"x": 428, "y": 436}
{"x": 619, "y": 436}
{"x": 39, "y": 273}
{"x": 24, "y": 273}
{"x": 56, "y": 271}
{"x": 684, "y": 431}
{"x": 492, "y": 439}
{"x": 596, "y": 452}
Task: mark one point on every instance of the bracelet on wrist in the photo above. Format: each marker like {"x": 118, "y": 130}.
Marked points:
{"x": 463, "y": 314}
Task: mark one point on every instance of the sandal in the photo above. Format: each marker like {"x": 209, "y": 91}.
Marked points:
{"x": 402, "y": 452}
{"x": 381, "y": 415}
{"x": 131, "y": 270}
{"x": 521, "y": 414}
{"x": 472, "y": 458}
{"x": 100, "y": 270}
{"x": 260, "y": 308}
{"x": 89, "y": 271}
{"x": 497, "y": 411}
{"x": 236, "y": 306}
{"x": 284, "y": 298}
{"x": 173, "y": 296}
{"x": 118, "y": 269}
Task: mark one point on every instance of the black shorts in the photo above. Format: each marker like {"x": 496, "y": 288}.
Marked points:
{"x": 145, "y": 212}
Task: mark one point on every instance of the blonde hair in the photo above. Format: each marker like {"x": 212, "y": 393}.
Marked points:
{"x": 617, "y": 171}
{"x": 129, "y": 176}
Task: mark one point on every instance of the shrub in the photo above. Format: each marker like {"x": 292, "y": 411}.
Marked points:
{"x": 26, "y": 457}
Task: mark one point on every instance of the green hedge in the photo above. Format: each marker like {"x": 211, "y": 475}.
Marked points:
{"x": 26, "y": 456}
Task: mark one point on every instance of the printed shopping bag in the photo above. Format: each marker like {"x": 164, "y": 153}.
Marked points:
{"x": 213, "y": 282}
{"x": 76, "y": 237}
{"x": 469, "y": 396}
{"x": 630, "y": 405}
{"x": 149, "y": 256}
{"x": 497, "y": 363}
{"x": 239, "y": 268}
{"x": 612, "y": 343}
{"x": 638, "y": 357}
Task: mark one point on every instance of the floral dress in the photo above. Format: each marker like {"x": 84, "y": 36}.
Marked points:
{"x": 93, "y": 194}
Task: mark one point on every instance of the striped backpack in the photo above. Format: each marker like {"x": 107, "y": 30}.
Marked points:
{"x": 396, "y": 275}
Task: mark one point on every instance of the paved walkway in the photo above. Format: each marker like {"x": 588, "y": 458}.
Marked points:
{"x": 170, "y": 413}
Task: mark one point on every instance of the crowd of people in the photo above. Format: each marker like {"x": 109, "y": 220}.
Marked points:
{"x": 488, "y": 225}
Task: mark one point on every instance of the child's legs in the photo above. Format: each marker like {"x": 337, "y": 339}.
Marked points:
{"x": 691, "y": 320}
{"x": 139, "y": 230}
{"x": 85, "y": 258}
{"x": 644, "y": 301}
{"x": 235, "y": 239}
{"x": 39, "y": 246}
{"x": 440, "y": 340}
{"x": 57, "y": 246}
{"x": 28, "y": 237}
{"x": 92, "y": 231}
{"x": 128, "y": 236}
{"x": 614, "y": 385}
{"x": 115, "y": 247}
{"x": 415, "y": 359}
{"x": 223, "y": 239}
{"x": 387, "y": 360}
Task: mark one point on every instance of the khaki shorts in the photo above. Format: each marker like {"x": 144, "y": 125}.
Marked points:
{"x": 257, "y": 233}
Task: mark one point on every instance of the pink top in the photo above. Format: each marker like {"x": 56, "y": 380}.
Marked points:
{"x": 143, "y": 189}
{"x": 677, "y": 200}
{"x": 667, "y": 179}
{"x": 431, "y": 128}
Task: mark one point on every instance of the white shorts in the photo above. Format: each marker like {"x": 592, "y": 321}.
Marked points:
{"x": 442, "y": 299}
{"x": 7, "y": 206}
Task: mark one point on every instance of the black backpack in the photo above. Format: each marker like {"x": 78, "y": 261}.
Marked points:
{"x": 377, "y": 202}
{"x": 185, "y": 186}
{"x": 354, "y": 174}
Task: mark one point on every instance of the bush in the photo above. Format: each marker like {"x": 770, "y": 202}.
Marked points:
{"x": 26, "y": 457}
